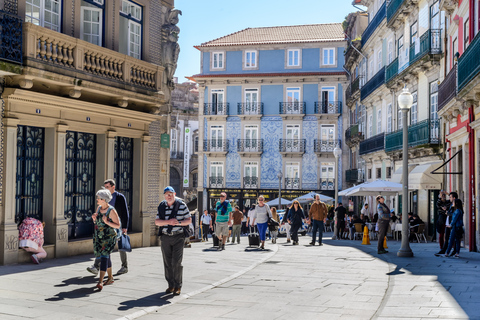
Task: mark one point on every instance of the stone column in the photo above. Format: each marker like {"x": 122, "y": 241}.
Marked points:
{"x": 111, "y": 136}
{"x": 142, "y": 221}
{"x": 8, "y": 227}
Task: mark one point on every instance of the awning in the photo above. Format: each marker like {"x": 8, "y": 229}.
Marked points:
{"x": 397, "y": 176}
{"x": 421, "y": 177}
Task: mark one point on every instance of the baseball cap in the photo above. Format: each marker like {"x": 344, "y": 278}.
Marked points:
{"x": 393, "y": 210}
{"x": 168, "y": 189}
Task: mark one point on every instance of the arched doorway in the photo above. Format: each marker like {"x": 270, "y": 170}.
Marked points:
{"x": 175, "y": 180}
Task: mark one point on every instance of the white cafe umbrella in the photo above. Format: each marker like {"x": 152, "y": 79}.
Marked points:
{"x": 386, "y": 188}
{"x": 311, "y": 197}
{"x": 274, "y": 202}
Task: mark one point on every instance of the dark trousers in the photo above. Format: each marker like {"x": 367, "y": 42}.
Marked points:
{"x": 317, "y": 225}
{"x": 294, "y": 231}
{"x": 172, "y": 251}
{"x": 441, "y": 236}
{"x": 445, "y": 243}
{"x": 382, "y": 232}
{"x": 340, "y": 229}
{"x": 205, "y": 229}
{"x": 123, "y": 258}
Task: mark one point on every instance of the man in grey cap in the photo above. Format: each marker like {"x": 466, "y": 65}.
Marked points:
{"x": 172, "y": 218}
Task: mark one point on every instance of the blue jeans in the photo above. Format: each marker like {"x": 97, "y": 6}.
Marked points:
{"x": 454, "y": 239}
{"x": 262, "y": 229}
{"x": 317, "y": 225}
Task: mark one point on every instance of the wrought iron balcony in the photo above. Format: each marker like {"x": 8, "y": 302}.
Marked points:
{"x": 250, "y": 108}
{"x": 391, "y": 70}
{"x": 392, "y": 8}
{"x": 430, "y": 43}
{"x": 216, "y": 182}
{"x": 328, "y": 107}
{"x": 373, "y": 144}
{"x": 353, "y": 175}
{"x": 421, "y": 133}
{"x": 353, "y": 135}
{"x": 10, "y": 37}
{"x": 296, "y": 107}
{"x": 292, "y": 183}
{"x": 373, "y": 25}
{"x": 216, "y": 109}
{"x": 327, "y": 183}
{"x": 176, "y": 155}
{"x": 250, "y": 182}
{"x": 326, "y": 145}
{"x": 292, "y": 145}
{"x": 250, "y": 145}
{"x": 469, "y": 63}
{"x": 376, "y": 81}
{"x": 215, "y": 145}
{"x": 447, "y": 90}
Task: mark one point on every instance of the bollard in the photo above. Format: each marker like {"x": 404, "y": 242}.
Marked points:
{"x": 366, "y": 237}
{"x": 385, "y": 243}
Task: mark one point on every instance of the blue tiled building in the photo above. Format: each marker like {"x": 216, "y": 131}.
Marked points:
{"x": 271, "y": 101}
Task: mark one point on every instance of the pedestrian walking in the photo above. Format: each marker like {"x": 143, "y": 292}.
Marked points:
{"x": 277, "y": 219}
{"x": 105, "y": 221}
{"x": 318, "y": 216}
{"x": 237, "y": 217}
{"x": 340, "y": 213}
{"x": 172, "y": 218}
{"x": 295, "y": 218}
{"x": 206, "y": 225}
{"x": 244, "y": 222}
{"x": 442, "y": 205}
{"x": 383, "y": 221}
{"x": 262, "y": 213}
{"x": 223, "y": 216}
{"x": 286, "y": 224}
{"x": 448, "y": 228}
{"x": 119, "y": 202}
{"x": 251, "y": 218}
{"x": 457, "y": 231}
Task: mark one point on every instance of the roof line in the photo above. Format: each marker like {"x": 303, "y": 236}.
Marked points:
{"x": 238, "y": 75}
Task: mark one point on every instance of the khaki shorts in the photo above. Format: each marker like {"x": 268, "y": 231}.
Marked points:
{"x": 222, "y": 229}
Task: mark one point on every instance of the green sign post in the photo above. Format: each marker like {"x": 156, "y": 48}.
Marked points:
{"x": 165, "y": 140}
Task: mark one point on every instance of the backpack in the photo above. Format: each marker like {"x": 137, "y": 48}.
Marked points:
{"x": 161, "y": 214}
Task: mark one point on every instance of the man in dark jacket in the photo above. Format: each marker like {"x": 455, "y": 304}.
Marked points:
{"x": 119, "y": 202}
{"x": 442, "y": 205}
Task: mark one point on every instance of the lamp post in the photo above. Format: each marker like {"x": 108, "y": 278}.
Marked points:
{"x": 337, "y": 152}
{"x": 405, "y": 101}
{"x": 280, "y": 175}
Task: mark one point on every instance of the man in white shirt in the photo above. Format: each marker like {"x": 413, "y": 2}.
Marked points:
{"x": 206, "y": 225}
{"x": 251, "y": 218}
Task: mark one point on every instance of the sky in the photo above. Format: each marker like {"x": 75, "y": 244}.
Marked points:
{"x": 205, "y": 20}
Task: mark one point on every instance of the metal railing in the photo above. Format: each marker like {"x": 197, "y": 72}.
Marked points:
{"x": 292, "y": 145}
{"x": 353, "y": 175}
{"x": 430, "y": 43}
{"x": 216, "y": 108}
{"x": 250, "y": 108}
{"x": 391, "y": 70}
{"x": 328, "y": 107}
{"x": 176, "y": 155}
{"x": 376, "y": 81}
{"x": 447, "y": 90}
{"x": 296, "y": 107}
{"x": 250, "y": 145}
{"x": 373, "y": 25}
{"x": 423, "y": 132}
{"x": 353, "y": 133}
{"x": 215, "y": 145}
{"x": 326, "y": 145}
{"x": 216, "y": 182}
{"x": 392, "y": 8}
{"x": 250, "y": 182}
{"x": 375, "y": 143}
{"x": 469, "y": 63}
{"x": 327, "y": 183}
{"x": 292, "y": 183}
{"x": 10, "y": 37}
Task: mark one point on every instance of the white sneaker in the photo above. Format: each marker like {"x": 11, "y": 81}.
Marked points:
{"x": 122, "y": 270}
{"x": 92, "y": 270}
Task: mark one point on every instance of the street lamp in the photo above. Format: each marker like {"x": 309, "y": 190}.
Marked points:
{"x": 280, "y": 175}
{"x": 405, "y": 101}
{"x": 337, "y": 152}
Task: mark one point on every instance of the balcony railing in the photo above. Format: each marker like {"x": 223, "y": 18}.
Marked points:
{"x": 423, "y": 132}
{"x": 297, "y": 107}
{"x": 430, "y": 43}
{"x": 216, "y": 182}
{"x": 353, "y": 175}
{"x": 392, "y": 8}
{"x": 292, "y": 145}
{"x": 353, "y": 133}
{"x": 65, "y": 52}
{"x": 372, "y": 84}
{"x": 447, "y": 90}
{"x": 250, "y": 145}
{"x": 326, "y": 145}
{"x": 176, "y": 155}
{"x": 373, "y": 25}
{"x": 250, "y": 182}
{"x": 292, "y": 183}
{"x": 250, "y": 108}
{"x": 375, "y": 143}
{"x": 10, "y": 37}
{"x": 216, "y": 109}
{"x": 391, "y": 70}
{"x": 328, "y": 107}
{"x": 469, "y": 63}
{"x": 327, "y": 183}
{"x": 215, "y": 145}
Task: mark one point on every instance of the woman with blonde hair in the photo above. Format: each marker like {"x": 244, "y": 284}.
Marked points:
{"x": 295, "y": 218}
{"x": 275, "y": 232}
{"x": 262, "y": 213}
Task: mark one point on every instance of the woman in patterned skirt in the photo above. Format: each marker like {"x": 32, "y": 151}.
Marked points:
{"x": 105, "y": 236}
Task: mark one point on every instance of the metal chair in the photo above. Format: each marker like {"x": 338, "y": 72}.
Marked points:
{"x": 420, "y": 233}
{"x": 328, "y": 226}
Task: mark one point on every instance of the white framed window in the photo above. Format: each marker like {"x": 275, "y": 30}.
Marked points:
{"x": 44, "y": 13}
{"x": 434, "y": 123}
{"x": 216, "y": 138}
{"x": 219, "y": 106}
{"x": 390, "y": 52}
{"x": 400, "y": 45}
{"x": 329, "y": 56}
{"x": 370, "y": 126}
{"x": 327, "y": 175}
{"x": 389, "y": 118}
{"x": 130, "y": 8}
{"x": 130, "y": 25}
{"x": 293, "y": 104}
{"x": 292, "y": 175}
{"x": 100, "y": 2}
{"x": 173, "y": 141}
{"x": 218, "y": 60}
{"x": 250, "y": 59}
{"x": 134, "y": 39}
{"x": 250, "y": 169}
{"x": 399, "y": 118}
{"x": 414, "y": 110}
{"x": 216, "y": 174}
{"x": 251, "y": 102}
{"x": 91, "y": 26}
{"x": 327, "y": 132}
{"x": 379, "y": 60}
{"x": 293, "y": 58}
{"x": 371, "y": 68}
{"x": 379, "y": 121}
{"x": 413, "y": 32}
{"x": 251, "y": 138}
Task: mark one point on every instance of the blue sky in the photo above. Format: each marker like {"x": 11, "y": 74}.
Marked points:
{"x": 205, "y": 20}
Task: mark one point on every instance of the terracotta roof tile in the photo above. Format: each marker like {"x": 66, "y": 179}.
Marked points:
{"x": 287, "y": 34}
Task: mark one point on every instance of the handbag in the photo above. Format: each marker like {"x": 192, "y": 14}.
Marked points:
{"x": 124, "y": 243}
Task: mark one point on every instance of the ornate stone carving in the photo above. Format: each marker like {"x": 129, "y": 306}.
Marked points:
{"x": 171, "y": 49}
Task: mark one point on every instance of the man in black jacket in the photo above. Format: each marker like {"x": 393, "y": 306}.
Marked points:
{"x": 119, "y": 202}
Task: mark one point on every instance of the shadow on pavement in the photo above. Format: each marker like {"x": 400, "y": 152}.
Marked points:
{"x": 74, "y": 294}
{"x": 154, "y": 300}
{"x": 77, "y": 281}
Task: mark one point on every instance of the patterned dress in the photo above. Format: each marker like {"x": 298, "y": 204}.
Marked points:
{"x": 30, "y": 233}
{"x": 104, "y": 237}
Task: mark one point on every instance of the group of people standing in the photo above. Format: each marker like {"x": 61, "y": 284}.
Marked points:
{"x": 449, "y": 224}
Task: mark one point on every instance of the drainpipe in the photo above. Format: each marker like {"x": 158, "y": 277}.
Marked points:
{"x": 471, "y": 172}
